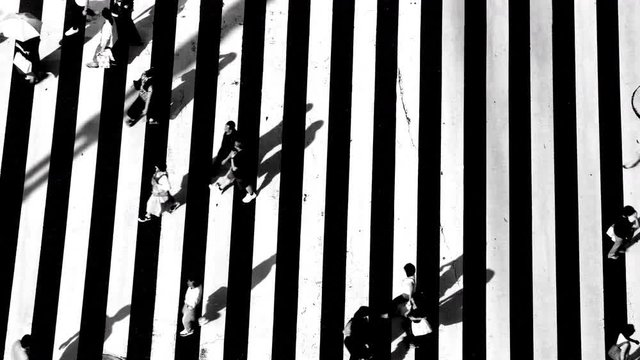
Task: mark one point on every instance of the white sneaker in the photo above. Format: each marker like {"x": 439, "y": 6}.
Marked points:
{"x": 186, "y": 333}
{"x": 247, "y": 198}
{"x": 71, "y": 31}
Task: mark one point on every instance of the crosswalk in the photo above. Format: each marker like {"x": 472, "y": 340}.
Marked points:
{"x": 481, "y": 141}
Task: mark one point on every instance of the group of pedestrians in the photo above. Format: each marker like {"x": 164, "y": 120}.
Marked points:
{"x": 408, "y": 308}
{"x": 234, "y": 160}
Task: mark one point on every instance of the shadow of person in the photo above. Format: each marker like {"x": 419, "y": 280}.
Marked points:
{"x": 218, "y": 299}
{"x": 451, "y": 307}
{"x": 451, "y": 275}
{"x": 71, "y": 345}
{"x": 183, "y": 93}
{"x": 270, "y": 167}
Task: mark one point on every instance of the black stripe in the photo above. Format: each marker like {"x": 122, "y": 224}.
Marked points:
{"x": 383, "y": 169}
{"x": 337, "y": 190}
{"x": 611, "y": 190}
{"x": 155, "y": 152}
{"x": 520, "y": 193}
{"x": 96, "y": 287}
{"x": 242, "y": 224}
{"x": 566, "y": 187}
{"x": 14, "y": 160}
{"x": 474, "y": 222}
{"x": 197, "y": 211}
{"x": 429, "y": 152}
{"x": 292, "y": 164}
{"x": 55, "y": 216}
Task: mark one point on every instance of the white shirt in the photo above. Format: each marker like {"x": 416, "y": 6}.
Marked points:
{"x": 192, "y": 296}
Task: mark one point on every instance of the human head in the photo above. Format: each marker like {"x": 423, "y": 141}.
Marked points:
{"x": 628, "y": 330}
{"x": 192, "y": 281}
{"x": 410, "y": 269}
{"x": 628, "y": 211}
{"x": 106, "y": 13}
{"x": 26, "y": 341}
{"x": 229, "y": 127}
{"x": 363, "y": 312}
{"x": 161, "y": 167}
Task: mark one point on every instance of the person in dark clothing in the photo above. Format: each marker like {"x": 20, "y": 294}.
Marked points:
{"x": 622, "y": 231}
{"x": 142, "y": 104}
{"x": 238, "y": 172}
{"x": 228, "y": 140}
{"x": 80, "y": 13}
{"x": 620, "y": 350}
{"x": 122, "y": 10}
{"x": 358, "y": 335}
{"x": 29, "y": 49}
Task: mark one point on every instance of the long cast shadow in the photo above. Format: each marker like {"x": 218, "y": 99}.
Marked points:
{"x": 217, "y": 301}
{"x": 85, "y": 141}
{"x": 71, "y": 345}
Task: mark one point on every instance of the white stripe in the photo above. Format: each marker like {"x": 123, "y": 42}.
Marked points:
{"x": 35, "y": 191}
{"x": 169, "y": 300}
{"x": 314, "y": 183}
{"x": 127, "y": 199}
{"x": 542, "y": 181}
{"x": 629, "y": 30}
{"x": 6, "y": 68}
{"x": 360, "y": 165}
{"x": 588, "y": 150}
{"x": 451, "y": 194}
{"x": 406, "y": 157}
{"x": 265, "y": 242}
{"x": 220, "y": 207}
{"x": 497, "y": 102}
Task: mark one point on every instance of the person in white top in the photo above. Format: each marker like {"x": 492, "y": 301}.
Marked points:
{"x": 192, "y": 299}
{"x": 21, "y": 348}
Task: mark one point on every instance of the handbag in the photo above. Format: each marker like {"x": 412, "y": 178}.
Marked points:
{"x": 22, "y": 63}
{"x": 420, "y": 327}
{"x": 105, "y": 58}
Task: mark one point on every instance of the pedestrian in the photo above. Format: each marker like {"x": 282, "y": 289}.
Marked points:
{"x": 358, "y": 335}
{"x": 228, "y": 140}
{"x": 122, "y": 10}
{"x": 142, "y": 104}
{"x": 192, "y": 298}
{"x": 79, "y": 13}
{"x": 238, "y": 172}
{"x": 620, "y": 351}
{"x": 21, "y": 349}
{"x": 27, "y": 59}
{"x": 104, "y": 54}
{"x": 622, "y": 231}
{"x": 160, "y": 199}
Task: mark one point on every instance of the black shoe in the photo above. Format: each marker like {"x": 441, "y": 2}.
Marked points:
{"x": 144, "y": 219}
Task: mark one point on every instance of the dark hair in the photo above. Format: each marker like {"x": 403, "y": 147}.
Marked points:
{"x": 162, "y": 166}
{"x": 362, "y": 312}
{"x": 410, "y": 269}
{"x": 26, "y": 341}
{"x": 195, "y": 279}
{"x": 628, "y": 210}
{"x": 628, "y": 330}
{"x": 106, "y": 13}
{"x": 231, "y": 124}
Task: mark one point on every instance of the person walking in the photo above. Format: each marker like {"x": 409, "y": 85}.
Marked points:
{"x": 238, "y": 172}
{"x": 142, "y": 104}
{"x": 161, "y": 197}
{"x": 621, "y": 350}
{"x": 358, "y": 335}
{"x": 122, "y": 10}
{"x": 104, "y": 56}
{"x": 228, "y": 140}
{"x": 192, "y": 298}
{"x": 79, "y": 14}
{"x": 622, "y": 231}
